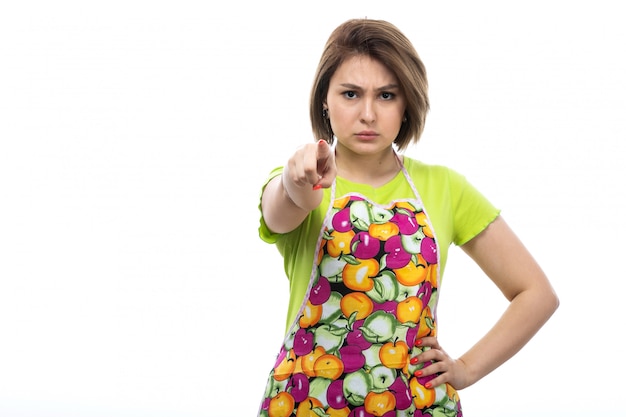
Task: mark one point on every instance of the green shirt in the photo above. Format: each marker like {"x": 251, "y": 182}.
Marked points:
{"x": 457, "y": 211}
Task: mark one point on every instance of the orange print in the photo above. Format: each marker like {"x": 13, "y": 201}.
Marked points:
{"x": 432, "y": 275}
{"x": 359, "y": 277}
{"x": 333, "y": 412}
{"x": 308, "y": 360}
{"x": 422, "y": 397}
{"x": 285, "y": 368}
{"x": 340, "y": 243}
{"x": 328, "y": 366}
{"x": 427, "y": 324}
{"x": 308, "y": 406}
{"x": 412, "y": 274}
{"x": 379, "y": 404}
{"x": 298, "y": 368}
{"x": 356, "y": 302}
{"x": 394, "y": 355}
{"x": 409, "y": 310}
{"x": 281, "y": 405}
{"x": 451, "y": 392}
{"x": 341, "y": 202}
{"x": 423, "y": 221}
{"x": 311, "y": 315}
{"x": 383, "y": 231}
{"x": 405, "y": 205}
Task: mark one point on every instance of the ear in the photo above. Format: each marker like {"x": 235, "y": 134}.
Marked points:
{"x": 324, "y": 111}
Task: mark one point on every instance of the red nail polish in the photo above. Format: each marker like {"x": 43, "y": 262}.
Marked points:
{"x": 414, "y": 360}
{"x": 419, "y": 342}
{"x": 317, "y": 186}
{"x": 428, "y": 385}
{"x": 418, "y": 373}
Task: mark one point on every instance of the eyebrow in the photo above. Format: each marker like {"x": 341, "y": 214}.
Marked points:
{"x": 383, "y": 88}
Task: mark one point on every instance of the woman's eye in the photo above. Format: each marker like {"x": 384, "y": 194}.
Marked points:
{"x": 350, "y": 94}
{"x": 387, "y": 96}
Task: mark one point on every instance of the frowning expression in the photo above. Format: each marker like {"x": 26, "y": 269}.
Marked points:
{"x": 365, "y": 104}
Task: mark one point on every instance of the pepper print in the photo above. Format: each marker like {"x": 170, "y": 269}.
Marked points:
{"x": 373, "y": 294}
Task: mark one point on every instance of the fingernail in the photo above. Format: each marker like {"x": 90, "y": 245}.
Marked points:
{"x": 419, "y": 342}
{"x": 317, "y": 186}
{"x": 414, "y": 360}
{"x": 417, "y": 373}
{"x": 428, "y": 385}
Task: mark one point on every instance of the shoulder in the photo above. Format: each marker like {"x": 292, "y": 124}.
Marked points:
{"x": 425, "y": 172}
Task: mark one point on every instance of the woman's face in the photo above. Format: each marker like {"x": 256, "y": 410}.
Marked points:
{"x": 365, "y": 105}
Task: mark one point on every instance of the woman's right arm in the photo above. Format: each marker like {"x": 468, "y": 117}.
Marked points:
{"x": 288, "y": 198}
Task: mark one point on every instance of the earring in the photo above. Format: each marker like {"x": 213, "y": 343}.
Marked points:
{"x": 404, "y": 119}
{"x": 325, "y": 113}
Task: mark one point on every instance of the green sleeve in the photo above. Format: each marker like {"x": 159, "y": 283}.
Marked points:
{"x": 264, "y": 232}
{"x": 472, "y": 211}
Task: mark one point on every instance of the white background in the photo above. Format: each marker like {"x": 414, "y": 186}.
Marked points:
{"x": 135, "y": 137}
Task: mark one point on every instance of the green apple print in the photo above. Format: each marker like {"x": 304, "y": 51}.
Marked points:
{"x": 379, "y": 327}
{"x": 330, "y": 337}
{"x": 360, "y": 215}
{"x": 385, "y": 287}
{"x": 331, "y": 309}
{"x": 356, "y": 386}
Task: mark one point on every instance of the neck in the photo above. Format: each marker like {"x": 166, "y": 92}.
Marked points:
{"x": 373, "y": 169}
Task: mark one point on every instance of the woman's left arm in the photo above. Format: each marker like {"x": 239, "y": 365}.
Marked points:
{"x": 507, "y": 262}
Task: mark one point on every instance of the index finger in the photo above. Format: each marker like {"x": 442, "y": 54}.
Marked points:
{"x": 325, "y": 165}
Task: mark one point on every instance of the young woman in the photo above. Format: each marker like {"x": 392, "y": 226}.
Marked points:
{"x": 365, "y": 231}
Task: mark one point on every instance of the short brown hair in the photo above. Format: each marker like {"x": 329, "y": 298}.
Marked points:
{"x": 384, "y": 42}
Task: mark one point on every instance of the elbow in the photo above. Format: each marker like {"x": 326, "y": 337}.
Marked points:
{"x": 544, "y": 302}
{"x": 555, "y": 301}
{"x": 551, "y": 301}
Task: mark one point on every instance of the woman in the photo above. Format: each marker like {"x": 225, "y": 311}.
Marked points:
{"x": 365, "y": 231}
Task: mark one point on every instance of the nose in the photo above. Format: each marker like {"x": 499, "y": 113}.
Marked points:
{"x": 368, "y": 112}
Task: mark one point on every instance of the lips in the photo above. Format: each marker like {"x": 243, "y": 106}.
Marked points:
{"x": 367, "y": 134}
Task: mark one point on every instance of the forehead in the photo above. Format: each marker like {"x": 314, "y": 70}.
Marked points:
{"x": 363, "y": 70}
